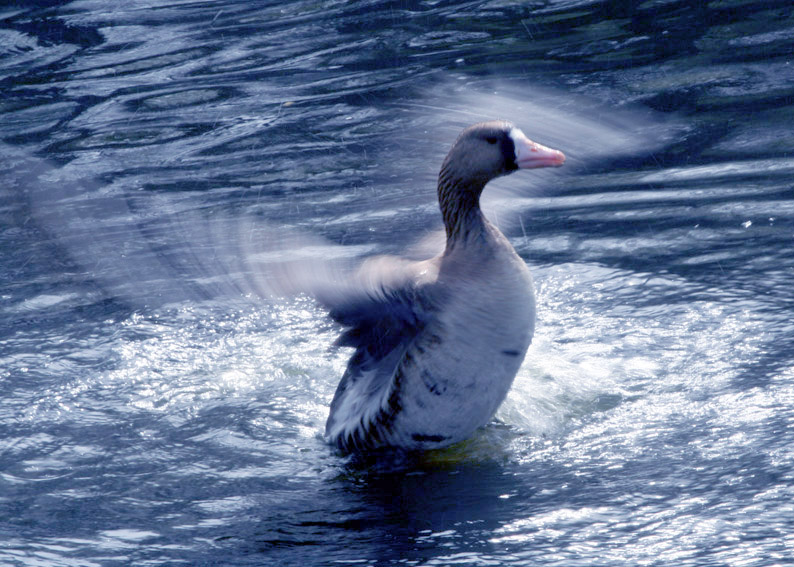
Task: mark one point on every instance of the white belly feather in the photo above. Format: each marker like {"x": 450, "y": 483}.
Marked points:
{"x": 458, "y": 371}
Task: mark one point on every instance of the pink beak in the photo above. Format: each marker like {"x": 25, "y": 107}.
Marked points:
{"x": 530, "y": 155}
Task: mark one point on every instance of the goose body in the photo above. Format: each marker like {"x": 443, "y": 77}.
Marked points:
{"x": 439, "y": 342}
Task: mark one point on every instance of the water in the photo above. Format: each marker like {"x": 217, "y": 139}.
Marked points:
{"x": 157, "y": 409}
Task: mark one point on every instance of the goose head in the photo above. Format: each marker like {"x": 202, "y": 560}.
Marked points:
{"x": 481, "y": 153}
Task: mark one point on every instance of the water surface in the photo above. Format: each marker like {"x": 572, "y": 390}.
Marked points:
{"x": 159, "y": 157}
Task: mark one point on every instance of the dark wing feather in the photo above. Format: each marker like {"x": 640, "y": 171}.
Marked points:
{"x": 378, "y": 325}
{"x": 382, "y": 313}
{"x": 385, "y": 305}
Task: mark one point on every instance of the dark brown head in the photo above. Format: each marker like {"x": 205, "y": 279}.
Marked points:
{"x": 483, "y": 152}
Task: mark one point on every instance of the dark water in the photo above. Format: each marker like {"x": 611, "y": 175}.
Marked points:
{"x": 156, "y": 410}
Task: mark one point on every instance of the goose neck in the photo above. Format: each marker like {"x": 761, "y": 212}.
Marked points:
{"x": 460, "y": 208}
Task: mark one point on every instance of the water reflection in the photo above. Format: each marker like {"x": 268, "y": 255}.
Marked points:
{"x": 398, "y": 517}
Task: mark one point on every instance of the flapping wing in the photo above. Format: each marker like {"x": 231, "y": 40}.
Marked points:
{"x": 387, "y": 306}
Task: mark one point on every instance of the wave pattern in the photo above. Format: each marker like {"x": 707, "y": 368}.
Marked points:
{"x": 160, "y": 158}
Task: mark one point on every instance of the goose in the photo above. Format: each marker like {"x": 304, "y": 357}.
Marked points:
{"x": 438, "y": 342}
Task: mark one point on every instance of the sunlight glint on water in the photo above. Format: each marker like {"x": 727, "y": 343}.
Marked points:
{"x": 161, "y": 161}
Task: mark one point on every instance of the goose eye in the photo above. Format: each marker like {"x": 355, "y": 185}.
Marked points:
{"x": 491, "y": 139}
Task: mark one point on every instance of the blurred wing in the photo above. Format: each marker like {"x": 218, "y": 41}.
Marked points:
{"x": 384, "y": 305}
{"x": 386, "y": 308}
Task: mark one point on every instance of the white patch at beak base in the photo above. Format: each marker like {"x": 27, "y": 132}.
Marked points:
{"x": 531, "y": 155}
